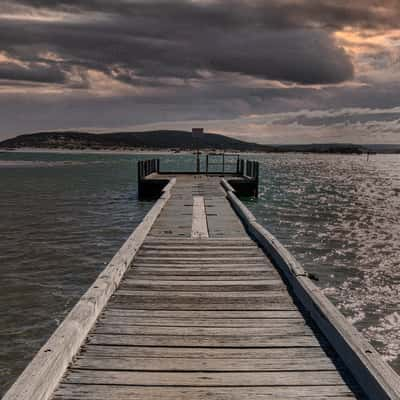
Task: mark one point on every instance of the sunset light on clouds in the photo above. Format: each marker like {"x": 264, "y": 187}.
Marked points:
{"x": 280, "y": 71}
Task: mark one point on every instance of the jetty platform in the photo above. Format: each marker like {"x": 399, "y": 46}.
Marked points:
{"x": 202, "y": 302}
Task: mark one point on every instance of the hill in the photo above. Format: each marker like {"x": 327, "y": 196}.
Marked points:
{"x": 176, "y": 140}
{"x": 151, "y": 140}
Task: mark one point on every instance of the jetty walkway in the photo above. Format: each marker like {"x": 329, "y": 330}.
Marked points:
{"x": 203, "y": 303}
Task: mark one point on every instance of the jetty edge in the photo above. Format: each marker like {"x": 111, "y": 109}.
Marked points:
{"x": 43, "y": 375}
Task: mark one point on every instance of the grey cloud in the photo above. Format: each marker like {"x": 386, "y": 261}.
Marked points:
{"x": 241, "y": 13}
{"x": 166, "y": 47}
{"x": 346, "y": 118}
{"x": 295, "y": 55}
{"x": 33, "y": 72}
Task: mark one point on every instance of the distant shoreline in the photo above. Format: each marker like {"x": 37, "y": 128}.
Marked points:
{"x": 34, "y": 150}
{"x": 172, "y": 142}
{"x": 90, "y": 151}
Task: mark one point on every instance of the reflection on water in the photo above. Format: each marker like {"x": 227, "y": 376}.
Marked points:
{"x": 339, "y": 216}
{"x": 64, "y": 216}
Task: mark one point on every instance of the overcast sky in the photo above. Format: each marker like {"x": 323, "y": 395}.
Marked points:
{"x": 274, "y": 71}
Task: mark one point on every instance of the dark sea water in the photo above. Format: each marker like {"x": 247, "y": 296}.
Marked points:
{"x": 63, "y": 216}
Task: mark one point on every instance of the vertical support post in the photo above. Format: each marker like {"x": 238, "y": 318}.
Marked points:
{"x": 158, "y": 165}
{"x": 207, "y": 164}
{"x": 223, "y": 163}
{"x": 198, "y": 161}
{"x": 257, "y": 174}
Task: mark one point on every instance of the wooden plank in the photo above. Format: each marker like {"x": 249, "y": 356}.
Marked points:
{"x": 209, "y": 322}
{"x": 201, "y": 260}
{"x": 198, "y": 272}
{"x": 204, "y": 341}
{"x": 293, "y": 353}
{"x": 272, "y": 330}
{"x": 274, "y": 295}
{"x": 259, "y": 283}
{"x": 242, "y": 268}
{"x": 211, "y": 314}
{"x": 123, "y": 363}
{"x": 161, "y": 302}
{"x": 197, "y": 246}
{"x": 161, "y": 254}
{"x": 260, "y": 266}
{"x": 196, "y": 277}
{"x": 101, "y": 392}
{"x": 211, "y": 241}
{"x": 206, "y": 285}
{"x": 199, "y": 219}
{"x": 167, "y": 303}
{"x": 204, "y": 379}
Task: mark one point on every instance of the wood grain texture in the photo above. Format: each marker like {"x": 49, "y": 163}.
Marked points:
{"x": 101, "y": 392}
{"x": 199, "y": 219}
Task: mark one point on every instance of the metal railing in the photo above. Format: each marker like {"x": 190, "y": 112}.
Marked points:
{"x": 147, "y": 167}
{"x": 246, "y": 168}
{"x": 227, "y": 162}
{"x": 251, "y": 169}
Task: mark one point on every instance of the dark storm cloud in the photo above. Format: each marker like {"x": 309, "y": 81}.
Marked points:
{"x": 188, "y": 60}
{"x": 158, "y": 39}
{"x": 242, "y": 13}
{"x": 34, "y": 72}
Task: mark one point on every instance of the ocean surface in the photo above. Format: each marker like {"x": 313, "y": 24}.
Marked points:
{"x": 63, "y": 216}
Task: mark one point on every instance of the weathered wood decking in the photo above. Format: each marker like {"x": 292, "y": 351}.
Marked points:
{"x": 202, "y": 313}
{"x": 203, "y": 318}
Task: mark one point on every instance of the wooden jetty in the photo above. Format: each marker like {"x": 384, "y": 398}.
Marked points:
{"x": 202, "y": 302}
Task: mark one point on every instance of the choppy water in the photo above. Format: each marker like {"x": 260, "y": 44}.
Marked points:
{"x": 339, "y": 216}
{"x": 62, "y": 217}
